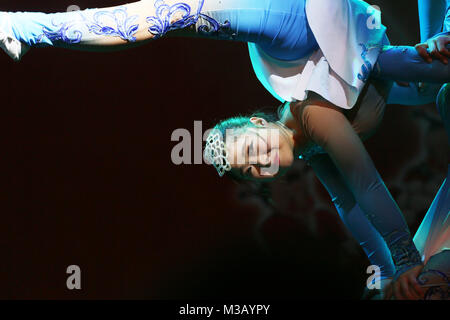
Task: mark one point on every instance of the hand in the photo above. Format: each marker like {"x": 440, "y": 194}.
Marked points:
{"x": 437, "y": 48}
{"x": 406, "y": 287}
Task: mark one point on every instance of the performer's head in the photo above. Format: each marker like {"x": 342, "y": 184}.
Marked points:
{"x": 251, "y": 147}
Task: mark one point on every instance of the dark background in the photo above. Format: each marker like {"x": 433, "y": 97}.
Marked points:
{"x": 86, "y": 177}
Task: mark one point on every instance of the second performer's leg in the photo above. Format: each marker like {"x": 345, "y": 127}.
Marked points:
{"x": 280, "y": 24}
{"x": 100, "y": 29}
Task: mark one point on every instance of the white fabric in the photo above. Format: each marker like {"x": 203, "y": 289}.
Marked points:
{"x": 340, "y": 27}
{"x": 433, "y": 235}
{"x": 13, "y": 47}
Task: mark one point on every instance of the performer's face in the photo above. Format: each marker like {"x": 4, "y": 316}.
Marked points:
{"x": 261, "y": 151}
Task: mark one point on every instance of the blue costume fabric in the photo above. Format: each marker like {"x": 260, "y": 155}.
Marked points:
{"x": 434, "y": 18}
{"x": 281, "y": 29}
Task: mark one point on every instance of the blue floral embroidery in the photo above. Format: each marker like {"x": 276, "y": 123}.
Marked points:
{"x": 215, "y": 27}
{"x": 115, "y": 24}
{"x": 124, "y": 27}
{"x": 178, "y": 16}
{"x": 440, "y": 290}
{"x": 366, "y": 67}
{"x": 64, "y": 33}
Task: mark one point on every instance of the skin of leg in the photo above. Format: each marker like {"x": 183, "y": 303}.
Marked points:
{"x": 365, "y": 118}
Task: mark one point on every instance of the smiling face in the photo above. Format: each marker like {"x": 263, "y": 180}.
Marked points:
{"x": 261, "y": 151}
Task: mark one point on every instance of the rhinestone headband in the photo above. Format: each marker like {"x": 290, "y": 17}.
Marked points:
{"x": 216, "y": 154}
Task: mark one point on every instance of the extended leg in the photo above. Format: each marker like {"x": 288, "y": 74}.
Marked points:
{"x": 352, "y": 215}
{"x": 278, "y": 26}
{"x": 433, "y": 234}
{"x": 92, "y": 29}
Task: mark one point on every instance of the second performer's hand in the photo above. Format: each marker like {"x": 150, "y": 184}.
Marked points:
{"x": 437, "y": 48}
{"x": 406, "y": 287}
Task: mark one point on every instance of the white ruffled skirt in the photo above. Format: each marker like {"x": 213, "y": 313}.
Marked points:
{"x": 349, "y": 34}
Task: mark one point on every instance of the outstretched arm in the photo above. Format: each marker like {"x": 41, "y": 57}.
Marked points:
{"x": 352, "y": 215}
{"x": 114, "y": 26}
{"x": 329, "y": 128}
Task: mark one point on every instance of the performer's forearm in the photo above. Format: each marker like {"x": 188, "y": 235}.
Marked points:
{"x": 381, "y": 210}
{"x": 352, "y": 215}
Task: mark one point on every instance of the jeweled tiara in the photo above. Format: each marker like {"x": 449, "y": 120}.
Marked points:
{"x": 215, "y": 152}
